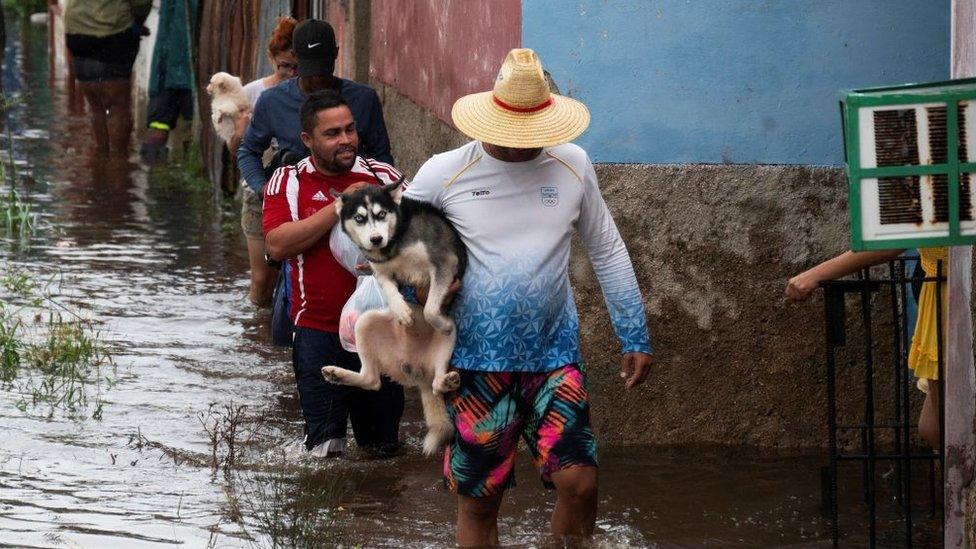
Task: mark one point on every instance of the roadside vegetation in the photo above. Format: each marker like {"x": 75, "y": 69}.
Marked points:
{"x": 52, "y": 359}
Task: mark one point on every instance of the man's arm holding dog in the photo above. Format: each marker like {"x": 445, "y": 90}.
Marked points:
{"x": 613, "y": 269}
{"x": 294, "y": 237}
{"x": 427, "y": 186}
{"x": 286, "y": 237}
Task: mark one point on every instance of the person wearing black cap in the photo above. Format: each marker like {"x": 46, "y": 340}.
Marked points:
{"x": 276, "y": 112}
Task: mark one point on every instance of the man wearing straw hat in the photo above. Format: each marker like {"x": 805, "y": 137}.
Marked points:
{"x": 516, "y": 194}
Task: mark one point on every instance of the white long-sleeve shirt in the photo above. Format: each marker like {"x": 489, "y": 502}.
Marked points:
{"x": 515, "y": 310}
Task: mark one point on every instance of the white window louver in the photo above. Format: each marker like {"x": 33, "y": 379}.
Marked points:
{"x": 901, "y": 169}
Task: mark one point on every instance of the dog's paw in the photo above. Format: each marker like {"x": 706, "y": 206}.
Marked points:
{"x": 332, "y": 374}
{"x": 447, "y": 383}
{"x": 440, "y": 323}
{"x": 402, "y": 314}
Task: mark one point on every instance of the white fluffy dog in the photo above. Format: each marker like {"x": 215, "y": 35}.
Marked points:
{"x": 227, "y": 103}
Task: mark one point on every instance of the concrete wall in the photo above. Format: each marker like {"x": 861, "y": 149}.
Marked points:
{"x": 434, "y": 51}
{"x": 738, "y": 81}
{"x": 713, "y": 247}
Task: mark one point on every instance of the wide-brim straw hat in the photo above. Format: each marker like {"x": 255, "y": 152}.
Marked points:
{"x": 521, "y": 112}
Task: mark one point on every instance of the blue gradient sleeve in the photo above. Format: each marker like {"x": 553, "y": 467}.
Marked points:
{"x": 613, "y": 268}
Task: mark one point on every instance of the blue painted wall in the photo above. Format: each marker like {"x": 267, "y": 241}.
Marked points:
{"x": 740, "y": 81}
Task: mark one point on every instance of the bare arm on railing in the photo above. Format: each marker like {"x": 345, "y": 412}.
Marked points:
{"x": 801, "y": 286}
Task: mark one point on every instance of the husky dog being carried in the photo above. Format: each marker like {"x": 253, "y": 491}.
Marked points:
{"x": 410, "y": 243}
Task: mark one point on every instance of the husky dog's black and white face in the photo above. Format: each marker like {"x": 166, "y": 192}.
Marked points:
{"x": 369, "y": 215}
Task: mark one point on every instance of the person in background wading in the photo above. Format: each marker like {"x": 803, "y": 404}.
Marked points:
{"x": 171, "y": 81}
{"x": 285, "y": 66}
{"x": 103, "y": 38}
{"x": 276, "y": 117}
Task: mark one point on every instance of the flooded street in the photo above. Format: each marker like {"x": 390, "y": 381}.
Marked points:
{"x": 160, "y": 269}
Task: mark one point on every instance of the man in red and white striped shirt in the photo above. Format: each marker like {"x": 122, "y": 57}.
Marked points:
{"x": 298, "y": 217}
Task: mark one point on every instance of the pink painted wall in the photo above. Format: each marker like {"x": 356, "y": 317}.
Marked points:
{"x": 434, "y": 51}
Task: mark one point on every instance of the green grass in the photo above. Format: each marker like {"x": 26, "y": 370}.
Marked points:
{"x": 19, "y": 284}
{"x": 10, "y": 349}
{"x": 188, "y": 174}
{"x": 17, "y": 216}
{"x": 18, "y": 219}
{"x": 293, "y": 506}
{"x": 66, "y": 364}
{"x": 49, "y": 355}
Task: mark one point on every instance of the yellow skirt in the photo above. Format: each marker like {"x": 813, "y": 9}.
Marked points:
{"x": 923, "y": 357}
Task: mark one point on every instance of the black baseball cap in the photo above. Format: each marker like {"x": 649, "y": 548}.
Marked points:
{"x": 314, "y": 44}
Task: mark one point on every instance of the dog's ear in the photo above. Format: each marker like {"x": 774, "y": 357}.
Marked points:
{"x": 338, "y": 200}
{"x": 395, "y": 190}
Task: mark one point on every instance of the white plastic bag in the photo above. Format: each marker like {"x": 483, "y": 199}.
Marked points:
{"x": 345, "y": 250}
{"x": 368, "y": 296}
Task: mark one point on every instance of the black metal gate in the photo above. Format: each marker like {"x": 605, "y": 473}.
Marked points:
{"x": 872, "y": 423}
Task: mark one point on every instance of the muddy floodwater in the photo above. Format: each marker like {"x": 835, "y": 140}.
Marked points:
{"x": 190, "y": 436}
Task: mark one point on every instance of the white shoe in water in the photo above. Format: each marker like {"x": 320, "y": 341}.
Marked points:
{"x": 334, "y": 447}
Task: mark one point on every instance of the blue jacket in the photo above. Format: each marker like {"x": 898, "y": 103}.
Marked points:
{"x": 276, "y": 116}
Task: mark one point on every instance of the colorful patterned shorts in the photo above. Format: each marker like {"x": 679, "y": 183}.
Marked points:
{"x": 550, "y": 410}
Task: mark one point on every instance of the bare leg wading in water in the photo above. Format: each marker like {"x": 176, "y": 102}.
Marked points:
{"x": 111, "y": 114}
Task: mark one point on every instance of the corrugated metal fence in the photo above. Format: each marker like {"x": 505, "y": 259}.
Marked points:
{"x": 225, "y": 43}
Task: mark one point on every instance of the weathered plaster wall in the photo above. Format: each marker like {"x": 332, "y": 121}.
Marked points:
{"x": 434, "y": 51}
{"x": 742, "y": 81}
{"x": 415, "y": 133}
{"x": 713, "y": 247}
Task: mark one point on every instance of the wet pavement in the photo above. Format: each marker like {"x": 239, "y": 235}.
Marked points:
{"x": 161, "y": 269}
